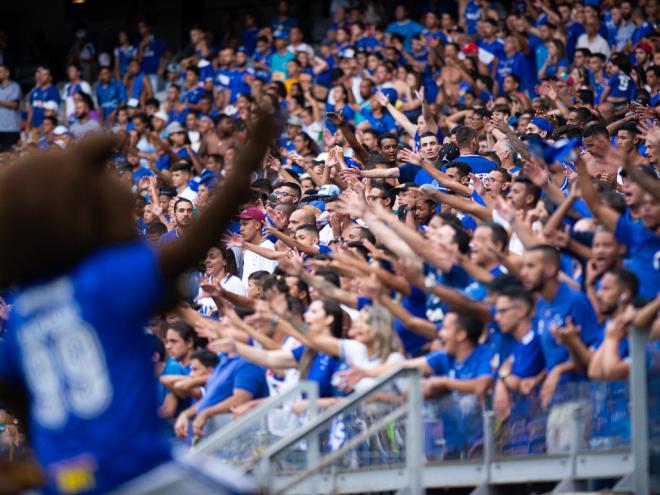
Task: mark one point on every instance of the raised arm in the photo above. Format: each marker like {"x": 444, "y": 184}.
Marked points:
{"x": 601, "y": 210}
{"x": 360, "y": 153}
{"x": 397, "y": 115}
{"x": 176, "y": 258}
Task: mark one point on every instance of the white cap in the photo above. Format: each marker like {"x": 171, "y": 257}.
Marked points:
{"x": 51, "y": 105}
{"x": 162, "y": 116}
{"x": 133, "y": 103}
{"x": 61, "y": 130}
{"x": 321, "y": 157}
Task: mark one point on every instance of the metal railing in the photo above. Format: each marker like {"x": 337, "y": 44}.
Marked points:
{"x": 252, "y": 420}
{"x": 309, "y": 434}
{"x": 311, "y": 466}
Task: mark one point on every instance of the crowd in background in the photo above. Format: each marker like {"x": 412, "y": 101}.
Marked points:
{"x": 473, "y": 193}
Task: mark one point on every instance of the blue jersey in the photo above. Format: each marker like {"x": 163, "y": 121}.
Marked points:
{"x": 527, "y": 356}
{"x": 124, "y": 54}
{"x": 380, "y": 124}
{"x": 568, "y": 302}
{"x": 480, "y": 165}
{"x": 472, "y": 15}
{"x": 151, "y": 55}
{"x": 644, "y": 254}
{"x": 234, "y": 373}
{"x": 496, "y": 47}
{"x": 94, "y": 402}
{"x": 475, "y": 365}
{"x": 415, "y": 304}
{"x": 517, "y": 65}
{"x": 37, "y": 97}
{"x": 320, "y": 371}
{"x": 110, "y": 96}
{"x": 193, "y": 95}
{"x": 621, "y": 86}
{"x": 222, "y": 78}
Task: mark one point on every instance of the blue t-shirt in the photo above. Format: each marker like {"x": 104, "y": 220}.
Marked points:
{"x": 67, "y": 341}
{"x": 407, "y": 29}
{"x": 234, "y": 373}
{"x": 110, "y": 96}
{"x": 124, "y": 54}
{"x": 320, "y": 371}
{"x": 193, "y": 95}
{"x": 644, "y": 254}
{"x": 527, "y": 356}
{"x": 567, "y": 302}
{"x": 472, "y": 15}
{"x": 415, "y": 304}
{"x": 151, "y": 55}
{"x": 380, "y": 124}
{"x": 496, "y": 47}
{"x": 480, "y": 166}
{"x": 517, "y": 65}
{"x": 621, "y": 86}
{"x": 37, "y": 97}
{"x": 475, "y": 365}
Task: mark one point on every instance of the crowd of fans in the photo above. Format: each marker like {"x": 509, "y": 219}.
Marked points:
{"x": 473, "y": 194}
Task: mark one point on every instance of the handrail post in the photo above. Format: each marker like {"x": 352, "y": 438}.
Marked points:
{"x": 489, "y": 442}
{"x": 639, "y": 410}
{"x": 313, "y": 450}
{"x": 415, "y": 435}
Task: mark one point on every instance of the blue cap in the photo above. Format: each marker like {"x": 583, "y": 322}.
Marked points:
{"x": 543, "y": 124}
{"x": 242, "y": 49}
{"x": 280, "y": 34}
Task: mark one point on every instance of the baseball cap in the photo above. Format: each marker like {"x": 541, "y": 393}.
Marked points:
{"x": 168, "y": 191}
{"x": 543, "y": 124}
{"x": 280, "y": 34}
{"x": 347, "y": 53}
{"x": 643, "y": 45}
{"x": 329, "y": 190}
{"x": 449, "y": 152}
{"x": 51, "y": 105}
{"x": 321, "y": 157}
{"x": 61, "y": 130}
{"x": 174, "y": 127}
{"x": 253, "y": 214}
{"x": 133, "y": 103}
{"x": 162, "y": 116}
{"x": 294, "y": 120}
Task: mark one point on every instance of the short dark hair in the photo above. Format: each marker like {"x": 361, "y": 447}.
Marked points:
{"x": 207, "y": 358}
{"x": 550, "y": 254}
{"x": 463, "y": 168}
{"x": 181, "y": 200}
{"x": 387, "y": 135}
{"x": 626, "y": 278}
{"x": 519, "y": 293}
{"x": 472, "y": 325}
{"x": 531, "y": 188}
{"x": 595, "y": 130}
{"x": 186, "y": 332}
{"x": 498, "y": 234}
{"x": 183, "y": 165}
{"x": 464, "y": 135}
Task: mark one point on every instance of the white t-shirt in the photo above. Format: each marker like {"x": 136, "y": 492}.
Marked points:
{"x": 356, "y": 354}
{"x": 596, "y": 45}
{"x": 67, "y": 96}
{"x": 230, "y": 283}
{"x": 252, "y": 262}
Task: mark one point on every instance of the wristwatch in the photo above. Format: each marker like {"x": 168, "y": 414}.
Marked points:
{"x": 504, "y": 373}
